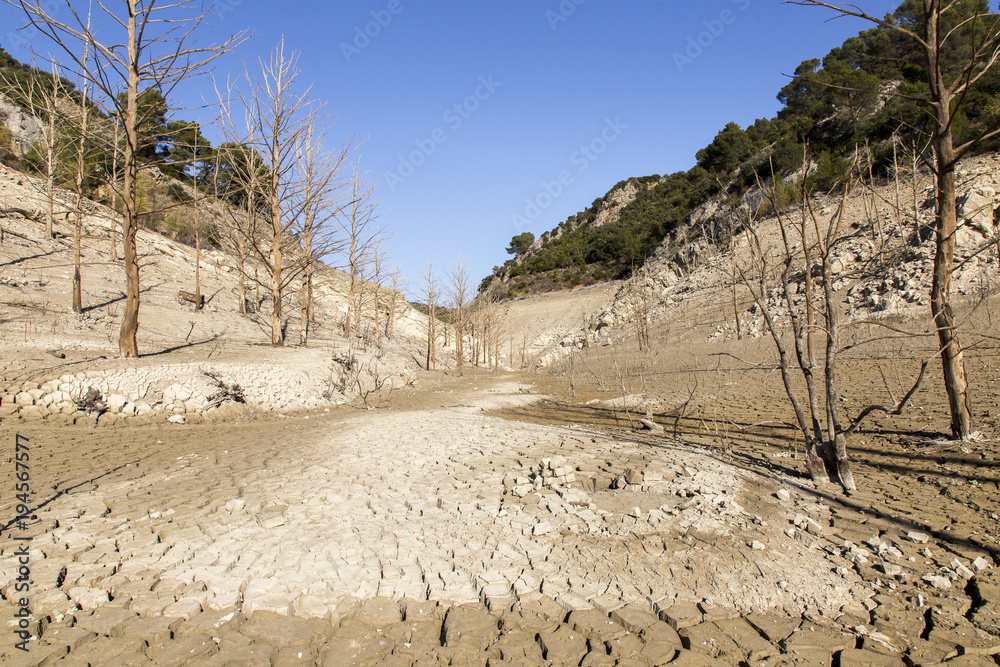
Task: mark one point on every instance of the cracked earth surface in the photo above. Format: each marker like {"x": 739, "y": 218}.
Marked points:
{"x": 431, "y": 534}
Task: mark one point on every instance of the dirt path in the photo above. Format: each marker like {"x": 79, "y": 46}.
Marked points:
{"x": 434, "y": 533}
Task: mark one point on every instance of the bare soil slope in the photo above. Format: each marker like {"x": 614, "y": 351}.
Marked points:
{"x": 52, "y": 357}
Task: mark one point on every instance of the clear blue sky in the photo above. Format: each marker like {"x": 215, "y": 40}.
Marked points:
{"x": 535, "y": 83}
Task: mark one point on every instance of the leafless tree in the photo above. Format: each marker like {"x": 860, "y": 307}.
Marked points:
{"x": 356, "y": 222}
{"x": 479, "y": 322}
{"x": 278, "y": 119}
{"x": 486, "y": 318}
{"x": 936, "y": 36}
{"x": 318, "y": 205}
{"x": 241, "y": 228}
{"x": 44, "y": 102}
{"x": 156, "y": 50}
{"x": 524, "y": 349}
{"x": 114, "y": 187}
{"x": 460, "y": 291}
{"x": 81, "y": 176}
{"x": 197, "y": 225}
{"x": 395, "y": 284}
{"x": 809, "y": 247}
{"x": 497, "y": 332}
{"x": 738, "y": 217}
{"x": 379, "y": 258}
{"x": 640, "y": 300}
{"x": 374, "y": 385}
{"x": 430, "y": 292}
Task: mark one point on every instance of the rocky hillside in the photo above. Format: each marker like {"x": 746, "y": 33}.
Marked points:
{"x": 557, "y": 259}
{"x": 18, "y": 130}
{"x": 882, "y": 273}
{"x": 832, "y": 108}
{"x": 62, "y": 366}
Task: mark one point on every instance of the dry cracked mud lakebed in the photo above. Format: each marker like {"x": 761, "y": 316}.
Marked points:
{"x": 433, "y": 533}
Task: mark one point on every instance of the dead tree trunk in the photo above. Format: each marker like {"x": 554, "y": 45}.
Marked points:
{"x": 127, "y": 344}
{"x": 81, "y": 169}
{"x": 305, "y": 293}
{"x": 197, "y": 299}
{"x": 952, "y": 358}
{"x": 832, "y": 317}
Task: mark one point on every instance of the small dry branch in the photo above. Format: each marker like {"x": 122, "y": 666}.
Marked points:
{"x": 189, "y": 297}
{"x": 225, "y": 392}
{"x": 374, "y": 386}
{"x": 651, "y": 425}
{"x": 897, "y": 410}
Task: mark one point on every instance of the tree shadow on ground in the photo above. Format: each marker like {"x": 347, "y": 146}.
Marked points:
{"x": 749, "y": 450}
{"x": 117, "y": 299}
{"x": 21, "y": 260}
{"x": 5, "y": 528}
{"x": 182, "y": 346}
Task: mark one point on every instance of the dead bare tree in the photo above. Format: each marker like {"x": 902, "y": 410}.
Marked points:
{"x": 197, "y": 225}
{"x": 156, "y": 51}
{"x": 245, "y": 173}
{"x": 623, "y": 378}
{"x": 492, "y": 317}
{"x": 814, "y": 318}
{"x": 395, "y": 285}
{"x": 320, "y": 184}
{"x": 79, "y": 181}
{"x": 736, "y": 212}
{"x": 356, "y": 220}
{"x": 640, "y": 300}
{"x": 499, "y": 330}
{"x": 113, "y": 226}
{"x": 278, "y": 119}
{"x": 460, "y": 289}
{"x": 479, "y": 326}
{"x": 486, "y": 324}
{"x": 370, "y": 381}
{"x": 43, "y": 100}
{"x": 430, "y": 290}
{"x": 937, "y": 35}
{"x": 524, "y": 350}
{"x": 378, "y": 260}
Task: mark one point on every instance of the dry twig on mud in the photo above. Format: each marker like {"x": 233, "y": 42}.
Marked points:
{"x": 92, "y": 402}
{"x": 373, "y": 384}
{"x": 897, "y": 410}
{"x": 691, "y": 393}
{"x": 224, "y": 392}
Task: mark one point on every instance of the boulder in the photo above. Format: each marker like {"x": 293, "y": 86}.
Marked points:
{"x": 976, "y": 216}
{"x": 115, "y": 402}
{"x": 977, "y": 206}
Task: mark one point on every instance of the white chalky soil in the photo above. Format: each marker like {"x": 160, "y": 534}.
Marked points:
{"x": 413, "y": 505}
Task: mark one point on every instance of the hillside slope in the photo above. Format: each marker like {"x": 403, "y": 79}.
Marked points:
{"x": 585, "y": 249}
{"x": 687, "y": 285}
{"x": 52, "y": 356}
{"x": 869, "y": 96}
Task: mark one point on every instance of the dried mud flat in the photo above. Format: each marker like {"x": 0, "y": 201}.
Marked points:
{"x": 936, "y": 503}
{"x": 417, "y": 535}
